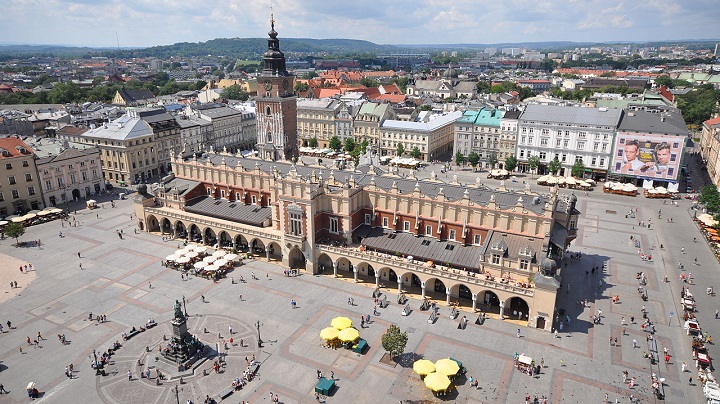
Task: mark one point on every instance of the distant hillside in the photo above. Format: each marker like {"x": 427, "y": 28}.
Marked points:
{"x": 253, "y": 47}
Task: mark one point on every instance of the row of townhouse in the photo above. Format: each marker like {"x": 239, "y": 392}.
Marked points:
{"x": 48, "y": 173}
{"x": 639, "y": 142}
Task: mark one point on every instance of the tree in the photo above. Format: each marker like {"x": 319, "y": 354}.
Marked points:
{"x": 510, "y": 163}
{"x": 235, "y": 92}
{"x": 400, "y": 149}
{"x": 394, "y": 341}
{"x": 492, "y": 159}
{"x": 15, "y": 230}
{"x": 534, "y": 163}
{"x": 554, "y": 166}
{"x": 301, "y": 87}
{"x": 350, "y": 144}
{"x": 483, "y": 87}
{"x": 363, "y": 146}
{"x": 578, "y": 169}
{"x": 415, "y": 153}
{"x": 473, "y": 159}
{"x": 313, "y": 142}
{"x": 459, "y": 158}
{"x": 335, "y": 143}
{"x": 426, "y": 107}
{"x": 710, "y": 197}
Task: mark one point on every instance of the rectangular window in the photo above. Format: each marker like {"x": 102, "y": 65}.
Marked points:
{"x": 602, "y": 162}
{"x": 572, "y": 224}
{"x": 222, "y": 193}
{"x": 28, "y": 177}
{"x": 72, "y": 178}
{"x": 15, "y": 194}
{"x": 564, "y": 158}
{"x": 11, "y": 180}
{"x": 8, "y": 166}
{"x": 31, "y": 190}
{"x": 333, "y": 225}
{"x": 452, "y": 235}
{"x": 254, "y": 199}
{"x": 543, "y": 155}
{"x": 496, "y": 259}
{"x": 524, "y": 264}
{"x": 593, "y": 161}
{"x": 368, "y": 218}
{"x": 428, "y": 230}
{"x": 477, "y": 239}
{"x": 48, "y": 185}
{"x": 385, "y": 222}
{"x": 84, "y": 176}
{"x": 581, "y": 145}
{"x": 296, "y": 224}
{"x": 406, "y": 226}
{"x": 543, "y": 141}
{"x": 209, "y": 191}
{"x": 237, "y": 196}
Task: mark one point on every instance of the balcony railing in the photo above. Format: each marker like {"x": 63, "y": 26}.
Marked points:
{"x": 449, "y": 273}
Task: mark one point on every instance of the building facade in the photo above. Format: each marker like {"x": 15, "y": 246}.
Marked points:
{"x": 458, "y": 244}
{"x": 710, "y": 148}
{"x": 128, "y": 151}
{"x": 316, "y": 119}
{"x": 70, "y": 175}
{"x": 232, "y": 129}
{"x": 568, "y": 134}
{"x": 20, "y": 189}
{"x": 432, "y": 138}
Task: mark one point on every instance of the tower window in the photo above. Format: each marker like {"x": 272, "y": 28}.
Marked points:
{"x": 267, "y": 111}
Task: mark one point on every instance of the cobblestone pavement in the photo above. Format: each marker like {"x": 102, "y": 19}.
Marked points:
{"x": 580, "y": 366}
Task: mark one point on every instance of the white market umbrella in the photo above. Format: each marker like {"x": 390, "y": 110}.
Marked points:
{"x": 3, "y": 223}
{"x": 173, "y": 257}
{"x": 200, "y": 249}
{"x": 212, "y": 268}
{"x": 200, "y": 265}
{"x": 543, "y": 178}
{"x": 183, "y": 260}
{"x": 191, "y": 254}
{"x": 219, "y": 253}
{"x": 189, "y": 247}
{"x": 551, "y": 180}
{"x": 180, "y": 252}
{"x": 221, "y": 262}
{"x": 209, "y": 259}
{"x": 570, "y": 181}
{"x": 231, "y": 257}
{"x": 503, "y": 172}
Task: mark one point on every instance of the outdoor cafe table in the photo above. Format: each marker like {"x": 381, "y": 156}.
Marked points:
{"x": 324, "y": 386}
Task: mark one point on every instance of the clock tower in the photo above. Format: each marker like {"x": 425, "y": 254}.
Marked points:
{"x": 276, "y": 105}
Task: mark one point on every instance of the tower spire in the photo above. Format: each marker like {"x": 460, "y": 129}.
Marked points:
{"x": 272, "y": 18}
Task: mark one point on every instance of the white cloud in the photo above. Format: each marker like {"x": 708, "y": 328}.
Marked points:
{"x": 155, "y": 22}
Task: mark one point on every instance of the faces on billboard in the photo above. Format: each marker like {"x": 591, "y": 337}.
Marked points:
{"x": 648, "y": 156}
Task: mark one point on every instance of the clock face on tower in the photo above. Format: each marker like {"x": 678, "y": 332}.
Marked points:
{"x": 286, "y": 84}
{"x": 268, "y": 85}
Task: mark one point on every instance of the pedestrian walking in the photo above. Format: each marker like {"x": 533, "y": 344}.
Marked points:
{"x": 332, "y": 375}
{"x": 690, "y": 381}
{"x": 79, "y": 254}
{"x": 622, "y": 321}
{"x": 292, "y": 303}
{"x": 2, "y": 390}
{"x": 684, "y": 367}
{"x": 635, "y": 345}
{"x": 129, "y": 374}
{"x": 81, "y": 266}
{"x": 542, "y": 363}
{"x": 615, "y": 341}
{"x": 348, "y": 301}
{"x": 632, "y": 319}
{"x": 319, "y": 374}
{"x": 682, "y": 250}
{"x": 518, "y": 333}
{"x": 717, "y": 314}
{"x": 230, "y": 329}
{"x": 149, "y": 285}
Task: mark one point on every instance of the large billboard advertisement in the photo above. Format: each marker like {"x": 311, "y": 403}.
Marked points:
{"x": 648, "y": 156}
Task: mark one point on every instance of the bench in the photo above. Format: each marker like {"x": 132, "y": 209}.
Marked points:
{"x": 254, "y": 368}
{"x": 150, "y": 325}
{"x": 132, "y": 334}
{"x": 226, "y": 393}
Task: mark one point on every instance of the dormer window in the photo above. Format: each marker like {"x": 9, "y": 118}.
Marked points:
{"x": 527, "y": 252}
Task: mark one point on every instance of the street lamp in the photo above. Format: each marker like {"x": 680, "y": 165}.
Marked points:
{"x": 96, "y": 364}
{"x": 260, "y": 342}
{"x": 177, "y": 393}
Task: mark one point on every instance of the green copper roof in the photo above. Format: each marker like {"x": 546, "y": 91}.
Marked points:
{"x": 485, "y": 117}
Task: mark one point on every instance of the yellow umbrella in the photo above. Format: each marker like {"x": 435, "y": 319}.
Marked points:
{"x": 446, "y": 366}
{"x": 349, "y": 335}
{"x": 437, "y": 381}
{"x": 423, "y": 367}
{"x": 341, "y": 322}
{"x": 329, "y": 333}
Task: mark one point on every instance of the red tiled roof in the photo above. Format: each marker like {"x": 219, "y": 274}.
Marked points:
{"x": 11, "y": 144}
{"x": 712, "y": 121}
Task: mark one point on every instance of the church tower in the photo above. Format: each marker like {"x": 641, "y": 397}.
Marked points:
{"x": 276, "y": 105}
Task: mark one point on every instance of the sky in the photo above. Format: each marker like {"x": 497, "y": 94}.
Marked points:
{"x": 141, "y": 23}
